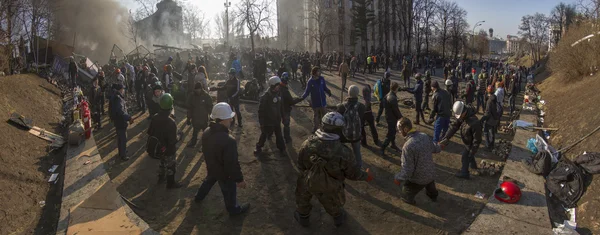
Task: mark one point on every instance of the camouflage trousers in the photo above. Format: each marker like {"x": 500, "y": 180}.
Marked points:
{"x": 332, "y": 202}
{"x": 167, "y": 166}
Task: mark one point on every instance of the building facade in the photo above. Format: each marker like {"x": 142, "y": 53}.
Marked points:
{"x": 165, "y": 26}
{"x": 512, "y": 44}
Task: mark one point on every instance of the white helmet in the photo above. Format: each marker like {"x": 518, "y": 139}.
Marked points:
{"x": 222, "y": 111}
{"x": 458, "y": 108}
{"x": 274, "y": 80}
{"x": 448, "y": 82}
{"x": 333, "y": 119}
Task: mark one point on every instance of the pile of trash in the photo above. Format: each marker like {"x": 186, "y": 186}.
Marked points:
{"x": 489, "y": 168}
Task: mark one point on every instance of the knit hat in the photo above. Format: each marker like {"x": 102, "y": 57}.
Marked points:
{"x": 353, "y": 91}
{"x": 118, "y": 86}
{"x": 198, "y": 86}
{"x": 435, "y": 84}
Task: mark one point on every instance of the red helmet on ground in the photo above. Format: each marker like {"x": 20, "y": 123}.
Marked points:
{"x": 508, "y": 192}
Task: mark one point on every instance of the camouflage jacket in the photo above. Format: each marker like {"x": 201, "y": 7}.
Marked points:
{"x": 341, "y": 163}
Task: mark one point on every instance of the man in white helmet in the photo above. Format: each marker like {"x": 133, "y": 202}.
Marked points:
{"x": 269, "y": 116}
{"x": 324, "y": 164}
{"x": 470, "y": 132}
{"x": 221, "y": 156}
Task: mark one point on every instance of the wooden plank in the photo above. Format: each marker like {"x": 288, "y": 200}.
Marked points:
{"x": 45, "y": 132}
{"x": 55, "y": 141}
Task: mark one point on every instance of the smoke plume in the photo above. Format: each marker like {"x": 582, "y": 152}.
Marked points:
{"x": 94, "y": 25}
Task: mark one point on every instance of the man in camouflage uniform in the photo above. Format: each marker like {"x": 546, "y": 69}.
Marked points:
{"x": 324, "y": 147}
{"x": 164, "y": 128}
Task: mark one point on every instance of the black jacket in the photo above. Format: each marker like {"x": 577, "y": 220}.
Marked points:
{"x": 491, "y": 116}
{"x": 220, "y": 153}
{"x": 199, "y": 108}
{"x": 141, "y": 81}
{"x": 232, "y": 89}
{"x": 164, "y": 128}
{"x": 392, "y": 111}
{"x": 118, "y": 111}
{"x": 269, "y": 109}
{"x": 442, "y": 104}
{"x": 96, "y": 98}
{"x": 288, "y": 100}
{"x": 427, "y": 87}
{"x": 470, "y": 92}
{"x": 153, "y": 107}
{"x": 470, "y": 130}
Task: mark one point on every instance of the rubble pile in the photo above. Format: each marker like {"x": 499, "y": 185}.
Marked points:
{"x": 502, "y": 149}
{"x": 489, "y": 168}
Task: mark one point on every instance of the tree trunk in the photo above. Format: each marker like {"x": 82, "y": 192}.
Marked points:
{"x": 252, "y": 41}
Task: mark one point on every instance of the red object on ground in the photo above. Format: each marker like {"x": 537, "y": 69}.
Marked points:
{"x": 508, "y": 192}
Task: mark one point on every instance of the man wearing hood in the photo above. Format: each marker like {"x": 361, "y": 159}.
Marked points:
{"x": 324, "y": 164}
{"x": 359, "y": 108}
{"x": 199, "y": 107}
{"x": 121, "y": 119}
{"x": 470, "y": 132}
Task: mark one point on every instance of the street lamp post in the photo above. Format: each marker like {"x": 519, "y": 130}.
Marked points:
{"x": 473, "y": 38}
{"x": 227, "y": 4}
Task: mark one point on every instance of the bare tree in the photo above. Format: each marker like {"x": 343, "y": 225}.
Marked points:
{"x": 405, "y": 19}
{"x": 255, "y": 15}
{"x": 132, "y": 32}
{"x": 362, "y": 16}
{"x": 458, "y": 28}
{"x": 589, "y": 8}
{"x": 445, "y": 9}
{"x": 429, "y": 9}
{"x": 562, "y": 16}
{"x": 221, "y": 25}
{"x": 195, "y": 23}
{"x": 321, "y": 17}
{"x": 481, "y": 43}
{"x": 534, "y": 28}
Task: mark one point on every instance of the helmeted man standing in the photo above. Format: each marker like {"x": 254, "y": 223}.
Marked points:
{"x": 324, "y": 153}
{"x": 164, "y": 128}
{"x": 222, "y": 165}
{"x": 269, "y": 116}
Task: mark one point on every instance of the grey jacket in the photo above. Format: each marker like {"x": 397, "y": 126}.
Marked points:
{"x": 417, "y": 161}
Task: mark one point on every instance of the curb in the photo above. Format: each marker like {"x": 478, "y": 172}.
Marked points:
{"x": 90, "y": 201}
{"x": 530, "y": 214}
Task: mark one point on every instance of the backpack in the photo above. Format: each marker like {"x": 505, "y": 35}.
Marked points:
{"x": 565, "y": 182}
{"x": 352, "y": 125}
{"x": 317, "y": 180}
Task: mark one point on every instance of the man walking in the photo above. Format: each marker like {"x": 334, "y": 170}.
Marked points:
{"x": 269, "y": 117}
{"x": 418, "y": 168}
{"x": 382, "y": 88}
{"x": 368, "y": 118}
{"x": 392, "y": 115}
{"x": 442, "y": 102}
{"x": 343, "y": 72}
{"x": 512, "y": 93}
{"x": 163, "y": 129}
{"x": 481, "y": 90}
{"x": 427, "y": 90}
{"x": 324, "y": 153}
{"x": 73, "y": 71}
{"x": 222, "y": 165}
{"x": 199, "y": 107}
{"x": 316, "y": 88}
{"x": 140, "y": 85}
{"x": 470, "y": 132}
{"x": 121, "y": 119}
{"x": 417, "y": 91}
{"x": 353, "y": 111}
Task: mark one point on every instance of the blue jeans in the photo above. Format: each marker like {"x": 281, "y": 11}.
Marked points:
{"x": 357, "y": 155}
{"x": 122, "y": 141}
{"x": 440, "y": 127}
{"x": 229, "y": 190}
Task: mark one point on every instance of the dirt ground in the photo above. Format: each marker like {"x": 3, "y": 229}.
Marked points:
{"x": 24, "y": 175}
{"x": 373, "y": 208}
{"x": 575, "y": 120}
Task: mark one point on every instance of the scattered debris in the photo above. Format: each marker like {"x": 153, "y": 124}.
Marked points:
{"x": 480, "y": 195}
{"x": 42, "y": 203}
{"x": 489, "y": 168}
{"x": 53, "y": 178}
{"x": 53, "y": 168}
{"x": 87, "y": 162}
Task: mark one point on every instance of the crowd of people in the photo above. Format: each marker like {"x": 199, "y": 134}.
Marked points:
{"x": 324, "y": 160}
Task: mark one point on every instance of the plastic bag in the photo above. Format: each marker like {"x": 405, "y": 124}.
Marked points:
{"x": 531, "y": 145}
